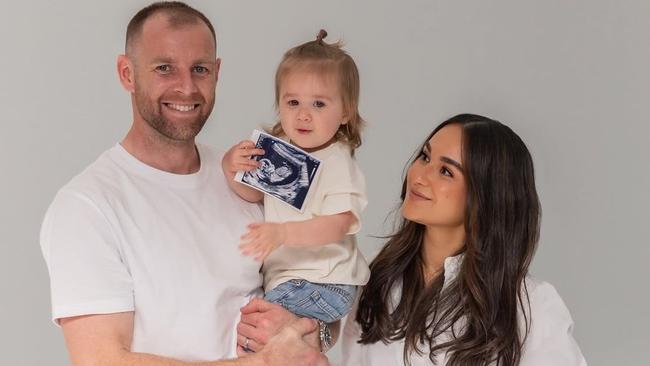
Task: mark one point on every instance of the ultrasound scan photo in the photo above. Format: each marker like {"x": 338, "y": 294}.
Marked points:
{"x": 286, "y": 172}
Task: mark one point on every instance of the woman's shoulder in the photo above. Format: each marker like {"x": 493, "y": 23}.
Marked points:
{"x": 546, "y": 305}
{"x": 540, "y": 291}
{"x": 545, "y": 299}
{"x": 549, "y": 340}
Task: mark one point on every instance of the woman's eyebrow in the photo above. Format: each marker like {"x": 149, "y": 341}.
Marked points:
{"x": 444, "y": 159}
{"x": 453, "y": 162}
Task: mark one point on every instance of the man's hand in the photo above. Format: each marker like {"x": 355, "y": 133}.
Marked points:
{"x": 262, "y": 238}
{"x": 289, "y": 348}
{"x": 238, "y": 158}
{"x": 262, "y": 320}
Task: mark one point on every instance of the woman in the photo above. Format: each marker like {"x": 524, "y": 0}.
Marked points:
{"x": 451, "y": 286}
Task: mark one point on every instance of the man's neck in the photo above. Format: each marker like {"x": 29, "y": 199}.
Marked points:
{"x": 178, "y": 157}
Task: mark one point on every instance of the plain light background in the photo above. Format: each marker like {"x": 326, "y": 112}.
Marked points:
{"x": 571, "y": 77}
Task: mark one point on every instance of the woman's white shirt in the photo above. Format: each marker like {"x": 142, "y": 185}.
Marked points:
{"x": 549, "y": 341}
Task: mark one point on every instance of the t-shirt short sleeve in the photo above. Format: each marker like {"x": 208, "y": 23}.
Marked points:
{"x": 81, "y": 250}
{"x": 344, "y": 189}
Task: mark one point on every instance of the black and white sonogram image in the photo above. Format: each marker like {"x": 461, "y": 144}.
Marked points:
{"x": 286, "y": 172}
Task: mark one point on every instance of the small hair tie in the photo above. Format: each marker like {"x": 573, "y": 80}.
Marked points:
{"x": 321, "y": 34}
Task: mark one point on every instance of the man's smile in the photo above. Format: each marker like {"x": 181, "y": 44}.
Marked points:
{"x": 181, "y": 107}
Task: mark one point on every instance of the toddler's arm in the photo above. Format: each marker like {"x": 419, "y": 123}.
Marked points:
{"x": 262, "y": 238}
{"x": 320, "y": 230}
{"x": 238, "y": 158}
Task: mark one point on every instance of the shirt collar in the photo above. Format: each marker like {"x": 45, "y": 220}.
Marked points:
{"x": 452, "y": 267}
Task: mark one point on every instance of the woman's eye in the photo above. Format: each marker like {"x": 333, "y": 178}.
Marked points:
{"x": 319, "y": 104}
{"x": 445, "y": 171}
{"x": 292, "y": 102}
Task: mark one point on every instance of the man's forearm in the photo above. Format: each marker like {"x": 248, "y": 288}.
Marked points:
{"x": 144, "y": 359}
{"x": 126, "y": 358}
{"x": 105, "y": 340}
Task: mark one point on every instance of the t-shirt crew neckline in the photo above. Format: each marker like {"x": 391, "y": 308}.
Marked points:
{"x": 324, "y": 153}
{"x": 188, "y": 181}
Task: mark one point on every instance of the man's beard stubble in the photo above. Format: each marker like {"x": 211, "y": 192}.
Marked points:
{"x": 151, "y": 112}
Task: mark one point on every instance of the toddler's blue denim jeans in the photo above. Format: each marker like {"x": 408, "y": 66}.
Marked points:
{"x": 323, "y": 301}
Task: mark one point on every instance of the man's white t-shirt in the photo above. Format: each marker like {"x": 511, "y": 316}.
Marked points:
{"x": 124, "y": 236}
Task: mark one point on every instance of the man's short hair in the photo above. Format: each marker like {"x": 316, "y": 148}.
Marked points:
{"x": 178, "y": 14}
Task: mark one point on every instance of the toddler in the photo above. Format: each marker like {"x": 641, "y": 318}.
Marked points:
{"x": 312, "y": 265}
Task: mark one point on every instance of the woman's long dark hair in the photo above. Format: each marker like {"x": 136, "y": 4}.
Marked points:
{"x": 480, "y": 307}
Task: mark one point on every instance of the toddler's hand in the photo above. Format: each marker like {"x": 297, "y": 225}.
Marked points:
{"x": 238, "y": 157}
{"x": 262, "y": 238}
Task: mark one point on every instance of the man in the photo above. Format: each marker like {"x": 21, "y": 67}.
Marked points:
{"x": 142, "y": 247}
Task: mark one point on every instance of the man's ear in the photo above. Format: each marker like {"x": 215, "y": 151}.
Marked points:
{"x": 217, "y": 67}
{"x": 125, "y": 71}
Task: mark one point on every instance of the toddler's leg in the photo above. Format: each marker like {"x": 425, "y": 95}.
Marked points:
{"x": 326, "y": 302}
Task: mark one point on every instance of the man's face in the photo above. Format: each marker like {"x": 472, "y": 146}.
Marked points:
{"x": 175, "y": 75}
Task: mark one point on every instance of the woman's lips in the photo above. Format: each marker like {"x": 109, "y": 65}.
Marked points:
{"x": 417, "y": 195}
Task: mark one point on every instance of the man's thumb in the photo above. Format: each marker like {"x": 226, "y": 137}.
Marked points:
{"x": 305, "y": 325}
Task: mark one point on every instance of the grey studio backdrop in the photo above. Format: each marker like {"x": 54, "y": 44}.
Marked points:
{"x": 571, "y": 77}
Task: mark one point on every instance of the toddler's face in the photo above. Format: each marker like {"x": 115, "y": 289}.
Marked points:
{"x": 311, "y": 109}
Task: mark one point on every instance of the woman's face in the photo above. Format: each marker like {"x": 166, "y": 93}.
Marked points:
{"x": 435, "y": 184}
